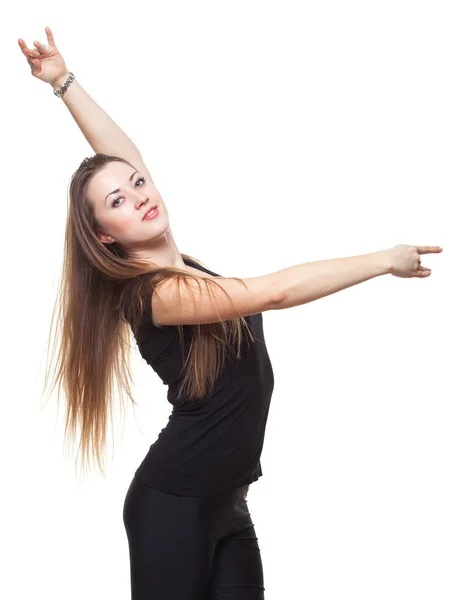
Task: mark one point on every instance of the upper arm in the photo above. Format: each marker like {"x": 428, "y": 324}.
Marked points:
{"x": 196, "y": 301}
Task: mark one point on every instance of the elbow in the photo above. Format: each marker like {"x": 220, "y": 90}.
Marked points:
{"x": 278, "y": 301}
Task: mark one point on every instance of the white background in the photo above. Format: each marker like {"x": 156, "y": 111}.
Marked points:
{"x": 277, "y": 133}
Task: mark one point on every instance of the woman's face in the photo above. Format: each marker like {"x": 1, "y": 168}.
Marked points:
{"x": 120, "y": 214}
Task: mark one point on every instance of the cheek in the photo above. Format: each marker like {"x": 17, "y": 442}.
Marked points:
{"x": 122, "y": 224}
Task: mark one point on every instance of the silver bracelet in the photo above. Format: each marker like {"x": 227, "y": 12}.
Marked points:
{"x": 65, "y": 86}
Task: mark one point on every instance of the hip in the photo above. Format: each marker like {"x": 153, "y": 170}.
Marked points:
{"x": 213, "y": 516}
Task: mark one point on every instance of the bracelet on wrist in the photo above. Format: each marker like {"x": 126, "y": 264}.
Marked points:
{"x": 65, "y": 86}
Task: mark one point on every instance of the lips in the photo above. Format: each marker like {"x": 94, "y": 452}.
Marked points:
{"x": 148, "y": 211}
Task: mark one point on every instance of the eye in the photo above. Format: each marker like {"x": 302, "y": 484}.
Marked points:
{"x": 142, "y": 179}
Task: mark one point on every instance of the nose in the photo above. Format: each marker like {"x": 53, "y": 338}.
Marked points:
{"x": 141, "y": 200}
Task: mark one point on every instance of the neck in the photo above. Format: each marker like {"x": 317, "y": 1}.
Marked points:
{"x": 164, "y": 252}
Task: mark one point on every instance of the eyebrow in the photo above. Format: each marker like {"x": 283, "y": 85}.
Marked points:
{"x": 119, "y": 189}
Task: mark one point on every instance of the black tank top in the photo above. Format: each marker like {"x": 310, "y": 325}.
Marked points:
{"x": 211, "y": 446}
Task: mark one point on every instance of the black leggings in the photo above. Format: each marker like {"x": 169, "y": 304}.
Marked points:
{"x": 185, "y": 548}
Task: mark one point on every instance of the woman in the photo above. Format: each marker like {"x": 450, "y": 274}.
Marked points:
{"x": 189, "y": 529}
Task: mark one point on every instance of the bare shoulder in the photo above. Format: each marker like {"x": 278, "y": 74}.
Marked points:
{"x": 230, "y": 298}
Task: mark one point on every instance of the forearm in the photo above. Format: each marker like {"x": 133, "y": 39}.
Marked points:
{"x": 100, "y": 131}
{"x": 306, "y": 282}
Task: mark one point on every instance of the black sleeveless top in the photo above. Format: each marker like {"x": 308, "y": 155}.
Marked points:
{"x": 211, "y": 446}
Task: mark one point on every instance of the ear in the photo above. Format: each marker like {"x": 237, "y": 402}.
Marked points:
{"x": 105, "y": 238}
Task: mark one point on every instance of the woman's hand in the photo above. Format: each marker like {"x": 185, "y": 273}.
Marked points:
{"x": 46, "y": 62}
{"x": 405, "y": 260}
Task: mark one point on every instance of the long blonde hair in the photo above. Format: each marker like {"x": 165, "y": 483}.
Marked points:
{"x": 101, "y": 300}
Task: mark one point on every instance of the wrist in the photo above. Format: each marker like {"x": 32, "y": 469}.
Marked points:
{"x": 58, "y": 82}
{"x": 383, "y": 261}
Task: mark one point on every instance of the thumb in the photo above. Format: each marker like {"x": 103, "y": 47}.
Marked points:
{"x": 35, "y": 65}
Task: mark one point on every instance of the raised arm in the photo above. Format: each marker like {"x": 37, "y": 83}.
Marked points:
{"x": 99, "y": 129}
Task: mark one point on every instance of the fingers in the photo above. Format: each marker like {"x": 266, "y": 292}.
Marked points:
{"x": 422, "y": 272}
{"x": 42, "y": 49}
{"x": 35, "y": 64}
{"x": 40, "y": 46}
{"x": 29, "y": 54}
{"x": 428, "y": 249}
{"x": 50, "y": 38}
{"x": 25, "y": 49}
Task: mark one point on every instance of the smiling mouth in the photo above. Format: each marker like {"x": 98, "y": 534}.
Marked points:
{"x": 149, "y": 211}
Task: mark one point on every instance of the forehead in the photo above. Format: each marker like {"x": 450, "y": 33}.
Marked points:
{"x": 113, "y": 173}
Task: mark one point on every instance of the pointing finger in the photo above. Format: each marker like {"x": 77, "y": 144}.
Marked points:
{"x": 429, "y": 249}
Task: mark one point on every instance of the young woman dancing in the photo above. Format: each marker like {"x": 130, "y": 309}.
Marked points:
{"x": 189, "y": 530}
